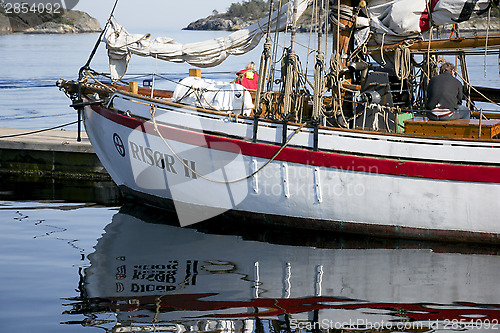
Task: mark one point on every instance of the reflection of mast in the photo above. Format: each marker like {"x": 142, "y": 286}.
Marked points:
{"x": 259, "y": 327}
{"x": 319, "y": 280}
{"x": 256, "y": 279}
{"x": 287, "y": 285}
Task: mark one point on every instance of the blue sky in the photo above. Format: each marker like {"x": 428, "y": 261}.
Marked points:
{"x": 153, "y": 14}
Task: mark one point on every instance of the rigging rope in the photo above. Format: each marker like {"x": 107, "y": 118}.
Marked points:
{"x": 429, "y": 54}
{"x": 402, "y": 61}
{"x": 476, "y": 90}
{"x": 96, "y": 46}
{"x": 486, "y": 44}
{"x": 382, "y": 50}
{"x": 319, "y": 84}
{"x": 333, "y": 82}
{"x": 38, "y": 131}
{"x": 291, "y": 74}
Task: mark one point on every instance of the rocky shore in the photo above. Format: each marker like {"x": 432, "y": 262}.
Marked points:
{"x": 218, "y": 23}
{"x": 480, "y": 25}
{"x": 71, "y": 21}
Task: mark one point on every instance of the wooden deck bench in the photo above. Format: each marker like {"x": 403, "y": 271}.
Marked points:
{"x": 459, "y": 128}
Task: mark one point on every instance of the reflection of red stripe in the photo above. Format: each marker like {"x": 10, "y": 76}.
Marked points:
{"x": 459, "y": 172}
{"x": 271, "y": 307}
{"x": 424, "y": 18}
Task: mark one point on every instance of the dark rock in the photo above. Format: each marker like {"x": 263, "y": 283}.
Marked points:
{"x": 32, "y": 23}
{"x": 81, "y": 21}
{"x": 31, "y": 19}
{"x": 5, "y": 27}
{"x": 24, "y": 21}
{"x": 18, "y": 25}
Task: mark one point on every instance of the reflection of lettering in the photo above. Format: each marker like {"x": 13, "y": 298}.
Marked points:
{"x": 159, "y": 278}
{"x": 191, "y": 272}
{"x": 121, "y": 272}
{"x": 141, "y": 288}
{"x": 156, "y": 273}
{"x": 119, "y": 287}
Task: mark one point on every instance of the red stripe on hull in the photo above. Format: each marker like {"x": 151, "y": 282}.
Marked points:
{"x": 406, "y": 168}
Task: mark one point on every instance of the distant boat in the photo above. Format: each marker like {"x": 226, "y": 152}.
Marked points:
{"x": 354, "y": 155}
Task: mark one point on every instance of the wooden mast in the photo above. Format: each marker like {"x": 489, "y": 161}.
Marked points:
{"x": 342, "y": 47}
{"x": 344, "y": 43}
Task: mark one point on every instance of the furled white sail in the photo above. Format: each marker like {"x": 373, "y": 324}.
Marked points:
{"x": 121, "y": 44}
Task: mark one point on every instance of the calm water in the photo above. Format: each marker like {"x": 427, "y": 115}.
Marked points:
{"x": 69, "y": 264}
{"x": 70, "y": 267}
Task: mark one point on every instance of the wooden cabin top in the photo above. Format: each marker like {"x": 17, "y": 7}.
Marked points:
{"x": 459, "y": 128}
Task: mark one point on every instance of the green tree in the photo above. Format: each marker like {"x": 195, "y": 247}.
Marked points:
{"x": 248, "y": 10}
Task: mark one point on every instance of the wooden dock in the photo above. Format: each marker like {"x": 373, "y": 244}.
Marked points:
{"x": 55, "y": 153}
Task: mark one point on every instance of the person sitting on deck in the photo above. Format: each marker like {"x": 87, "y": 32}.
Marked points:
{"x": 444, "y": 96}
{"x": 248, "y": 77}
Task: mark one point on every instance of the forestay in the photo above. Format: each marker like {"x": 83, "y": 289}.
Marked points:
{"x": 121, "y": 44}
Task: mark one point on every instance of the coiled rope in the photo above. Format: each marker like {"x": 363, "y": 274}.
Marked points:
{"x": 402, "y": 61}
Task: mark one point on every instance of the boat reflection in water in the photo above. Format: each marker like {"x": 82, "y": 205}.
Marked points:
{"x": 155, "y": 276}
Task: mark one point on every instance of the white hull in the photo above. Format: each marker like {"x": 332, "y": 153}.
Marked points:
{"x": 358, "y": 182}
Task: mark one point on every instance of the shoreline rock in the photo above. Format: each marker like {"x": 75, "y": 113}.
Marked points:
{"x": 218, "y": 23}
{"x": 72, "y": 21}
{"x": 5, "y": 27}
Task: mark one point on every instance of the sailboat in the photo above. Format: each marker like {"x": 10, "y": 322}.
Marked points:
{"x": 350, "y": 150}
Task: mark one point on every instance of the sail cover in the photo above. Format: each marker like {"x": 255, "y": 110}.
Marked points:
{"x": 121, "y": 44}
